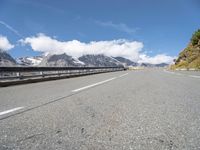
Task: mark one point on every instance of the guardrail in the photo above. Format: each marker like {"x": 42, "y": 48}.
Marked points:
{"x": 13, "y": 74}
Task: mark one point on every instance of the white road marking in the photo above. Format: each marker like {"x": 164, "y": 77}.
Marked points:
{"x": 193, "y": 76}
{"x": 92, "y": 85}
{"x": 180, "y": 74}
{"x": 123, "y": 75}
{"x": 10, "y": 110}
{"x": 169, "y": 72}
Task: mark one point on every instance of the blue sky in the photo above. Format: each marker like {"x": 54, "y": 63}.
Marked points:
{"x": 163, "y": 26}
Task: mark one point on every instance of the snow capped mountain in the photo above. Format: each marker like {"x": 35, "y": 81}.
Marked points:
{"x": 99, "y": 61}
{"x": 60, "y": 60}
{"x": 64, "y": 60}
{"x": 30, "y": 61}
{"x": 6, "y": 60}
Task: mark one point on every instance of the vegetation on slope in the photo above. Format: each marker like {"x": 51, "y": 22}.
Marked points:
{"x": 190, "y": 56}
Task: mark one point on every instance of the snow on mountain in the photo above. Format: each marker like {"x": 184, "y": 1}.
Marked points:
{"x": 30, "y": 61}
{"x": 60, "y": 60}
{"x": 64, "y": 60}
{"x": 99, "y": 61}
{"x": 77, "y": 61}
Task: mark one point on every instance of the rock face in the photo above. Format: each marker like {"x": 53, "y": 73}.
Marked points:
{"x": 190, "y": 56}
{"x": 30, "y": 61}
{"x": 99, "y": 61}
{"x": 126, "y": 62}
{"x": 6, "y": 60}
{"x": 61, "y": 60}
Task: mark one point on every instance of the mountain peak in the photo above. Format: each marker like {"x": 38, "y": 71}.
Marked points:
{"x": 6, "y": 59}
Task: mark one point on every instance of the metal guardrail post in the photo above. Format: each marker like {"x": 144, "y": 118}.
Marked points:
{"x": 19, "y": 75}
{"x": 42, "y": 74}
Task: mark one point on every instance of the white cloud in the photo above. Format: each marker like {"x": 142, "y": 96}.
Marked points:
{"x": 121, "y": 47}
{"x": 5, "y": 44}
{"x": 120, "y": 27}
{"x": 10, "y": 28}
{"x": 160, "y": 58}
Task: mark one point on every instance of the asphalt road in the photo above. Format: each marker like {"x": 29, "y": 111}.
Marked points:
{"x": 145, "y": 109}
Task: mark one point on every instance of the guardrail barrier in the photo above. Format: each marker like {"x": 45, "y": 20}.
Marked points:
{"x": 18, "y": 75}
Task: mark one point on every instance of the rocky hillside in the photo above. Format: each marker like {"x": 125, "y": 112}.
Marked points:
{"x": 6, "y": 60}
{"x": 190, "y": 56}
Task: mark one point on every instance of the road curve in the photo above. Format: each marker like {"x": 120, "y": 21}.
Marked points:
{"x": 144, "y": 109}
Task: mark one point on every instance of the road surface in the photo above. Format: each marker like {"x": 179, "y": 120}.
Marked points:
{"x": 145, "y": 109}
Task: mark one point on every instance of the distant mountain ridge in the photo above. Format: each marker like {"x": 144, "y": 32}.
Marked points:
{"x": 125, "y": 61}
{"x": 99, "y": 61}
{"x": 64, "y": 60}
{"x": 153, "y": 65}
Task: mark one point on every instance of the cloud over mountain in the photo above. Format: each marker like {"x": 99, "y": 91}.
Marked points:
{"x": 117, "y": 48}
{"x": 160, "y": 58}
{"x": 5, "y": 44}
{"x": 121, "y": 47}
